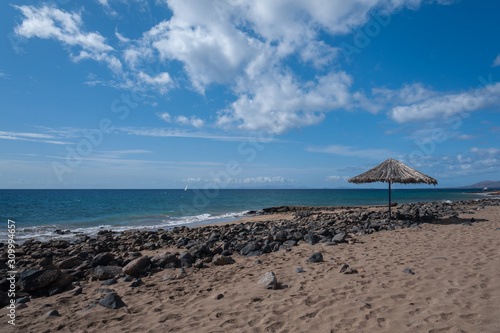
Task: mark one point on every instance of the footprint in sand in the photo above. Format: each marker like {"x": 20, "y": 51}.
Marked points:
{"x": 398, "y": 297}
{"x": 470, "y": 318}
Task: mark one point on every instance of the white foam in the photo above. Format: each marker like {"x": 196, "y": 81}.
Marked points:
{"x": 47, "y": 232}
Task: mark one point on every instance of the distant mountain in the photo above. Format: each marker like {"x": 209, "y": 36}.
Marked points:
{"x": 491, "y": 185}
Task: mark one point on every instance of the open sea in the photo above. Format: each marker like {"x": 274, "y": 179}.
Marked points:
{"x": 39, "y": 213}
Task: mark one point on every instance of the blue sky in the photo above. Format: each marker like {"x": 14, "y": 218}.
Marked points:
{"x": 233, "y": 93}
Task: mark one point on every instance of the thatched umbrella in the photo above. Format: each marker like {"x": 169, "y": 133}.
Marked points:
{"x": 392, "y": 171}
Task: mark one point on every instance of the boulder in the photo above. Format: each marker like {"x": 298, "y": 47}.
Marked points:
{"x": 249, "y": 248}
{"x": 315, "y": 257}
{"x": 136, "y": 266}
{"x": 311, "y": 239}
{"x": 112, "y": 301}
{"x": 162, "y": 260}
{"x": 339, "y": 238}
{"x": 220, "y": 260}
{"x": 34, "y": 279}
{"x": 70, "y": 262}
{"x": 102, "y": 259}
{"x": 106, "y": 272}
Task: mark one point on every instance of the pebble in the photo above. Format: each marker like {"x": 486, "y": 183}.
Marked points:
{"x": 53, "y": 313}
{"x": 344, "y": 268}
{"x": 112, "y": 301}
{"x": 409, "y": 271}
{"x": 136, "y": 283}
{"x": 315, "y": 257}
{"x": 23, "y": 300}
{"x": 109, "y": 282}
{"x": 299, "y": 270}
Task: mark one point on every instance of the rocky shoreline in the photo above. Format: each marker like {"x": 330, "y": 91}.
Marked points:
{"x": 49, "y": 268}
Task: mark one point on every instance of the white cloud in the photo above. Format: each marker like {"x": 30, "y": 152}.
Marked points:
{"x": 466, "y": 137}
{"x": 121, "y": 38}
{"x": 278, "y": 102}
{"x": 353, "y": 152}
{"x": 162, "y": 133}
{"x": 192, "y": 121}
{"x": 244, "y": 45}
{"x": 484, "y": 151}
{"x": 34, "y": 137}
{"x": 107, "y": 8}
{"x": 447, "y": 105}
{"x": 162, "y": 81}
{"x": 497, "y": 61}
{"x": 48, "y": 22}
{"x": 165, "y": 116}
{"x": 254, "y": 180}
{"x": 192, "y": 180}
{"x": 408, "y": 94}
{"x": 336, "y": 178}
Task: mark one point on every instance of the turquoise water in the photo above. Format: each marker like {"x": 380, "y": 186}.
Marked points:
{"x": 38, "y": 213}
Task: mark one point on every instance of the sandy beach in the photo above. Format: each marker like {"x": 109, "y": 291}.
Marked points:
{"x": 455, "y": 287}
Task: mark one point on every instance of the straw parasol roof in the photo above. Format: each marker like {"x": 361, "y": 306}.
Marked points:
{"x": 393, "y": 171}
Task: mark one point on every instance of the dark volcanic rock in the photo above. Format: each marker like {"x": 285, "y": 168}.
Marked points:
{"x": 136, "y": 266}
{"x": 339, "y": 238}
{"x": 249, "y": 248}
{"x": 311, "y": 239}
{"x": 254, "y": 253}
{"x": 315, "y": 257}
{"x": 344, "y": 268}
{"x": 186, "y": 259}
{"x": 220, "y": 260}
{"x": 102, "y": 259}
{"x": 109, "y": 282}
{"x": 23, "y": 300}
{"x": 106, "y": 272}
{"x": 53, "y": 313}
{"x": 35, "y": 279}
{"x": 4, "y": 299}
{"x": 112, "y": 301}
{"x": 63, "y": 281}
{"x": 70, "y": 263}
{"x": 280, "y": 236}
{"x": 163, "y": 260}
{"x": 409, "y": 271}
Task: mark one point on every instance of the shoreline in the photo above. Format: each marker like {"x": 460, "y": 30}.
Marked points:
{"x": 64, "y": 233}
{"x": 205, "y": 277}
{"x": 65, "y": 223}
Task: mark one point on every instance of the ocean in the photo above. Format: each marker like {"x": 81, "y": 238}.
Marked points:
{"x": 39, "y": 213}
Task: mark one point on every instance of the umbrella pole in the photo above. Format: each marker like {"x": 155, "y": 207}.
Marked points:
{"x": 389, "y": 217}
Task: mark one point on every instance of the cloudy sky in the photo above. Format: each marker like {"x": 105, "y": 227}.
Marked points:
{"x": 281, "y": 93}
